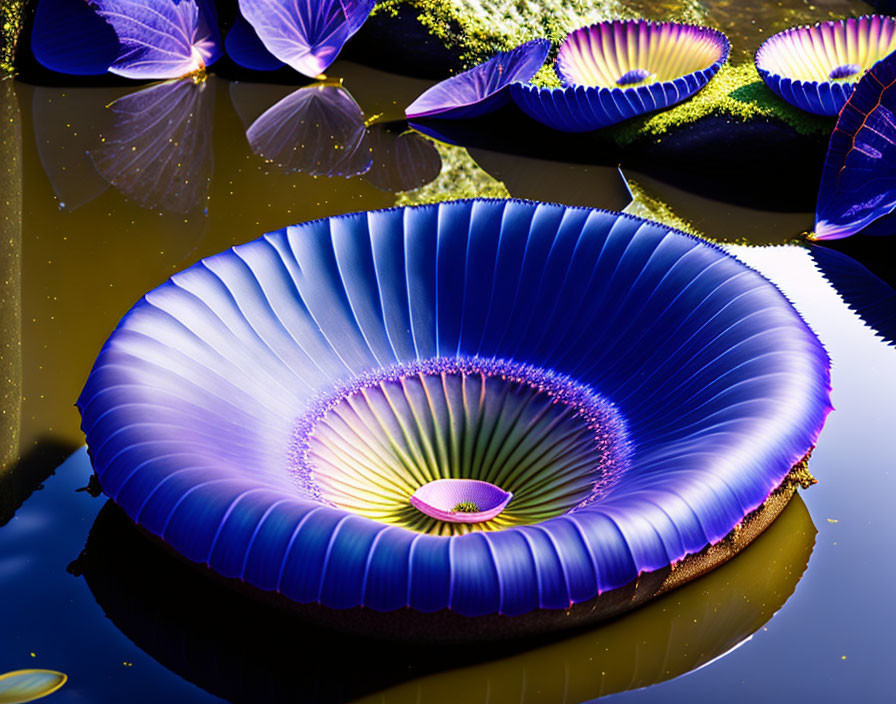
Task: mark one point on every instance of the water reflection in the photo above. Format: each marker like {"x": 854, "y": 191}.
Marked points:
{"x": 154, "y": 145}
{"x": 872, "y": 298}
{"x": 244, "y": 651}
{"x": 158, "y": 151}
{"x": 321, "y": 130}
{"x": 318, "y": 130}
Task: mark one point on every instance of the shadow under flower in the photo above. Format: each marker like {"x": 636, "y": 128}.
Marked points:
{"x": 176, "y": 613}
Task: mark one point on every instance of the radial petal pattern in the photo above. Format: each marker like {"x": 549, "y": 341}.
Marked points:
{"x": 615, "y": 70}
{"x": 816, "y": 67}
{"x": 306, "y": 34}
{"x": 194, "y": 407}
{"x": 858, "y": 183}
{"x": 483, "y": 88}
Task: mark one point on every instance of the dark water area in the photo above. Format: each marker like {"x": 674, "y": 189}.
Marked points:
{"x": 108, "y": 190}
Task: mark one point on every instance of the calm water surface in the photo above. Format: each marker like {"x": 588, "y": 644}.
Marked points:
{"x": 100, "y": 204}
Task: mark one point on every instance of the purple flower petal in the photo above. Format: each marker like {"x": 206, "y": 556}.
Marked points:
{"x": 858, "y": 184}
{"x": 159, "y": 151}
{"x": 399, "y": 332}
{"x": 306, "y": 34}
{"x": 161, "y": 38}
{"x": 70, "y": 37}
{"x": 816, "y": 67}
{"x": 318, "y": 130}
{"x": 482, "y": 88}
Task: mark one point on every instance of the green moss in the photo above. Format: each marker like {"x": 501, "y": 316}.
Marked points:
{"x": 460, "y": 177}
{"x": 476, "y": 29}
{"x": 736, "y": 92}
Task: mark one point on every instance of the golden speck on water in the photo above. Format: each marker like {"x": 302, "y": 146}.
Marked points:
{"x": 832, "y": 520}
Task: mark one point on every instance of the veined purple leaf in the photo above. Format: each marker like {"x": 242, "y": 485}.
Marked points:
{"x": 69, "y": 37}
{"x": 306, "y": 34}
{"x": 159, "y": 151}
{"x": 318, "y": 130}
{"x": 161, "y": 38}
{"x": 858, "y": 184}
{"x": 481, "y": 89}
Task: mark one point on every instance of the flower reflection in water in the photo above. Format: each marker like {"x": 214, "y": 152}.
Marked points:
{"x": 320, "y": 130}
{"x": 159, "y": 149}
{"x": 173, "y": 612}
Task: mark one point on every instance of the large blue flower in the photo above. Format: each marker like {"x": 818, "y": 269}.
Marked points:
{"x": 271, "y": 410}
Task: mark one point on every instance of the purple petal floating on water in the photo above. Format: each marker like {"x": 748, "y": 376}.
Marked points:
{"x": 161, "y": 38}
{"x": 306, "y": 34}
{"x": 247, "y": 50}
{"x": 70, "y": 37}
{"x": 159, "y": 151}
{"x": 318, "y": 130}
{"x": 402, "y": 160}
{"x": 858, "y": 184}
{"x": 481, "y": 89}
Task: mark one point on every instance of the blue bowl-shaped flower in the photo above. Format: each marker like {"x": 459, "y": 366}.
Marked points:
{"x": 816, "y": 67}
{"x": 612, "y": 71}
{"x": 483, "y": 88}
{"x": 270, "y": 411}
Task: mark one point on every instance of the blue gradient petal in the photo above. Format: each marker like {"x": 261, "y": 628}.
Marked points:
{"x": 161, "y": 38}
{"x": 70, "y": 37}
{"x": 306, "y": 34}
{"x": 247, "y": 50}
{"x": 191, "y": 409}
{"x": 482, "y": 89}
{"x": 858, "y": 183}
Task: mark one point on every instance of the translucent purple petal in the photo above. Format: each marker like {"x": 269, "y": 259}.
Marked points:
{"x": 247, "y": 50}
{"x": 482, "y": 88}
{"x": 318, "y": 130}
{"x": 161, "y": 38}
{"x": 158, "y": 152}
{"x": 70, "y": 37}
{"x": 306, "y": 34}
{"x": 858, "y": 184}
{"x": 196, "y": 401}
